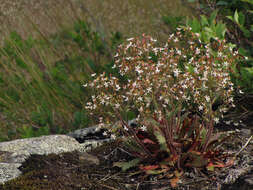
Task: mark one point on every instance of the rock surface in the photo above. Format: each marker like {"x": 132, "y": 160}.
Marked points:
{"x": 14, "y": 153}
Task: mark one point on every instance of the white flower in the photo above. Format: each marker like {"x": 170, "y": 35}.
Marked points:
{"x": 140, "y": 98}
{"x": 201, "y": 108}
{"x": 196, "y": 70}
{"x": 184, "y": 86}
{"x": 116, "y": 55}
{"x": 176, "y": 72}
{"x": 117, "y": 105}
{"x": 197, "y": 51}
{"x": 143, "y": 128}
{"x": 93, "y": 75}
{"x": 207, "y": 98}
{"x": 216, "y": 120}
{"x": 102, "y": 101}
{"x": 104, "y": 133}
{"x": 138, "y": 69}
{"x": 225, "y": 63}
{"x": 134, "y": 84}
{"x": 175, "y": 40}
{"x": 117, "y": 87}
{"x": 149, "y": 89}
{"x": 128, "y": 45}
{"x": 113, "y": 136}
{"x": 85, "y": 85}
{"x": 231, "y": 100}
{"x": 228, "y": 122}
{"x": 130, "y": 39}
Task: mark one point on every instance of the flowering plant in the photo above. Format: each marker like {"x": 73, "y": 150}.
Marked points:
{"x": 173, "y": 90}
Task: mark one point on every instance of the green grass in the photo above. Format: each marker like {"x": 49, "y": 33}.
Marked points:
{"x": 41, "y": 79}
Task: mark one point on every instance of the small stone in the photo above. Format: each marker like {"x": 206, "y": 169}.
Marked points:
{"x": 84, "y": 156}
{"x": 249, "y": 180}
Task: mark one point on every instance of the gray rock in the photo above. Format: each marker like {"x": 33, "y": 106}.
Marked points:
{"x": 95, "y": 133}
{"x": 90, "y": 133}
{"x": 40, "y": 145}
{"x": 14, "y": 153}
{"x": 9, "y": 171}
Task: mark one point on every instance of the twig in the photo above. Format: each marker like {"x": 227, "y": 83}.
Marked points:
{"x": 109, "y": 187}
{"x": 137, "y": 187}
{"x": 244, "y": 146}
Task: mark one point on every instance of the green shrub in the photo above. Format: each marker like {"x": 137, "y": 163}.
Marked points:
{"x": 238, "y": 16}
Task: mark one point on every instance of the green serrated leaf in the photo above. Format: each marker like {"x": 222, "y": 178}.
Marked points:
{"x": 127, "y": 165}
{"x": 248, "y": 1}
{"x": 230, "y": 18}
{"x": 221, "y": 3}
{"x": 204, "y": 21}
{"x": 203, "y": 134}
{"x": 154, "y": 172}
{"x": 220, "y": 30}
{"x": 236, "y": 17}
{"x": 161, "y": 139}
{"x": 195, "y": 25}
{"x": 241, "y": 18}
{"x": 212, "y": 18}
{"x": 251, "y": 28}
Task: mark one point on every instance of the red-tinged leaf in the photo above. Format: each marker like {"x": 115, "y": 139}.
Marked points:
{"x": 174, "y": 181}
{"x": 169, "y": 175}
{"x": 178, "y": 173}
{"x": 230, "y": 162}
{"x": 127, "y": 165}
{"x": 148, "y": 141}
{"x": 149, "y": 167}
{"x": 219, "y": 165}
{"x": 155, "y": 172}
{"x": 163, "y": 166}
{"x": 210, "y": 167}
{"x": 196, "y": 160}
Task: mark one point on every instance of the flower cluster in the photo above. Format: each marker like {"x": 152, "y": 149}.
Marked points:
{"x": 184, "y": 72}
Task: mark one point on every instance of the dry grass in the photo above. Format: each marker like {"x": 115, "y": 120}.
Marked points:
{"x": 131, "y": 17}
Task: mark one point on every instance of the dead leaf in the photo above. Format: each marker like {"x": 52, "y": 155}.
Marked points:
{"x": 174, "y": 181}
{"x": 149, "y": 167}
{"x": 148, "y": 141}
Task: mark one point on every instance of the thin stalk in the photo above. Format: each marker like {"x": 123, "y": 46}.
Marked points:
{"x": 135, "y": 137}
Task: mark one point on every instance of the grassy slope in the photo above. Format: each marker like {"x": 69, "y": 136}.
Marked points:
{"x": 40, "y": 80}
